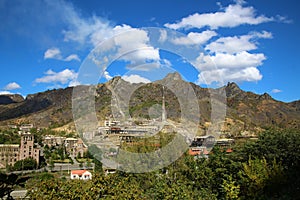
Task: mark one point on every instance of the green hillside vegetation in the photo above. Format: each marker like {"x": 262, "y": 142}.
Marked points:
{"x": 264, "y": 169}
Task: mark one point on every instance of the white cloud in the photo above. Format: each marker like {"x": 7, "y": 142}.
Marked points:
{"x": 107, "y": 76}
{"x": 224, "y": 67}
{"x": 163, "y": 36}
{"x": 12, "y": 86}
{"x": 195, "y": 38}
{"x": 237, "y": 44}
{"x": 230, "y": 54}
{"x": 55, "y": 53}
{"x": 74, "y": 83}
{"x": 276, "y": 91}
{"x": 233, "y": 16}
{"x": 134, "y": 46}
{"x": 62, "y": 77}
{"x": 52, "y": 53}
{"x": 72, "y": 57}
{"x": 230, "y": 59}
{"x": 263, "y": 34}
{"x": 221, "y": 60}
{"x": 92, "y": 30}
{"x": 134, "y": 78}
{"x": 5, "y": 92}
{"x": 224, "y": 75}
{"x": 231, "y": 45}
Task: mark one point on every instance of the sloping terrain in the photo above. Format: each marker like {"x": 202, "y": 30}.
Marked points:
{"x": 245, "y": 111}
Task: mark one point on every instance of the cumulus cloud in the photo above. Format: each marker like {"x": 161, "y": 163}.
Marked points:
{"x": 12, "y": 86}
{"x": 222, "y": 76}
{"x": 135, "y": 48}
{"x": 231, "y": 45}
{"x": 134, "y": 78}
{"x": 55, "y": 53}
{"x": 276, "y": 91}
{"x": 107, "y": 76}
{"x": 163, "y": 36}
{"x": 231, "y": 59}
{"x": 62, "y": 77}
{"x": 52, "y": 53}
{"x": 232, "y": 16}
{"x": 195, "y": 38}
{"x": 5, "y": 92}
{"x": 236, "y": 44}
{"x": 221, "y": 60}
{"x": 72, "y": 57}
{"x": 223, "y": 67}
{"x": 132, "y": 47}
{"x": 92, "y": 30}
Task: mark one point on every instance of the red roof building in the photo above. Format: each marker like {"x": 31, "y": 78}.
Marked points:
{"x": 81, "y": 174}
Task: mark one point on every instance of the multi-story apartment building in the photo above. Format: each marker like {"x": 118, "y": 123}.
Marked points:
{"x": 11, "y": 153}
{"x": 27, "y": 147}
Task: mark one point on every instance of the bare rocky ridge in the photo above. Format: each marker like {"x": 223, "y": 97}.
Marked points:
{"x": 10, "y": 98}
{"x": 246, "y": 111}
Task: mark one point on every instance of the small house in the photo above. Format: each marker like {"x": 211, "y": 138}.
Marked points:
{"x": 81, "y": 174}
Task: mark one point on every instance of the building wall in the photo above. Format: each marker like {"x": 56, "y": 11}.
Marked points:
{"x": 27, "y": 149}
{"x": 9, "y": 154}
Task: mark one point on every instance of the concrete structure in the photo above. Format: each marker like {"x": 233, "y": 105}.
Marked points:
{"x": 199, "y": 152}
{"x": 79, "y": 148}
{"x": 81, "y": 175}
{"x": 27, "y": 148}
{"x": 224, "y": 142}
{"x": 164, "y": 113}
{"x": 52, "y": 140}
{"x": 26, "y": 127}
{"x": 73, "y": 145}
{"x": 208, "y": 141}
{"x": 109, "y": 123}
{"x": 9, "y": 154}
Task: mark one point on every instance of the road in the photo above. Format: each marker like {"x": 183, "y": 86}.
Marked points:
{"x": 57, "y": 167}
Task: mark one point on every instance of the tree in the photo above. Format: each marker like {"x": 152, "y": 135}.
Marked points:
{"x": 8, "y": 182}
{"x": 25, "y": 164}
{"x": 51, "y": 164}
{"x": 78, "y": 155}
{"x": 231, "y": 188}
{"x": 280, "y": 149}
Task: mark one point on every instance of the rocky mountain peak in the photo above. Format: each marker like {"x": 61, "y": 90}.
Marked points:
{"x": 265, "y": 96}
{"x": 175, "y": 76}
{"x": 232, "y": 89}
{"x": 10, "y": 98}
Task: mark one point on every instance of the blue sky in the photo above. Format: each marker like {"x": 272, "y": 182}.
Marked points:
{"x": 44, "y": 43}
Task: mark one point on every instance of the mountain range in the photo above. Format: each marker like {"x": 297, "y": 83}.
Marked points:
{"x": 246, "y": 112}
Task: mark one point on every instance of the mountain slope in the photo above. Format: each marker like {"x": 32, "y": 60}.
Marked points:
{"x": 246, "y": 111}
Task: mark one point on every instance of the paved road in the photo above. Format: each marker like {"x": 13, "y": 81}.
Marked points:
{"x": 57, "y": 167}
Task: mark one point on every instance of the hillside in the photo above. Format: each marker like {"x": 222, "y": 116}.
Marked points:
{"x": 246, "y": 111}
